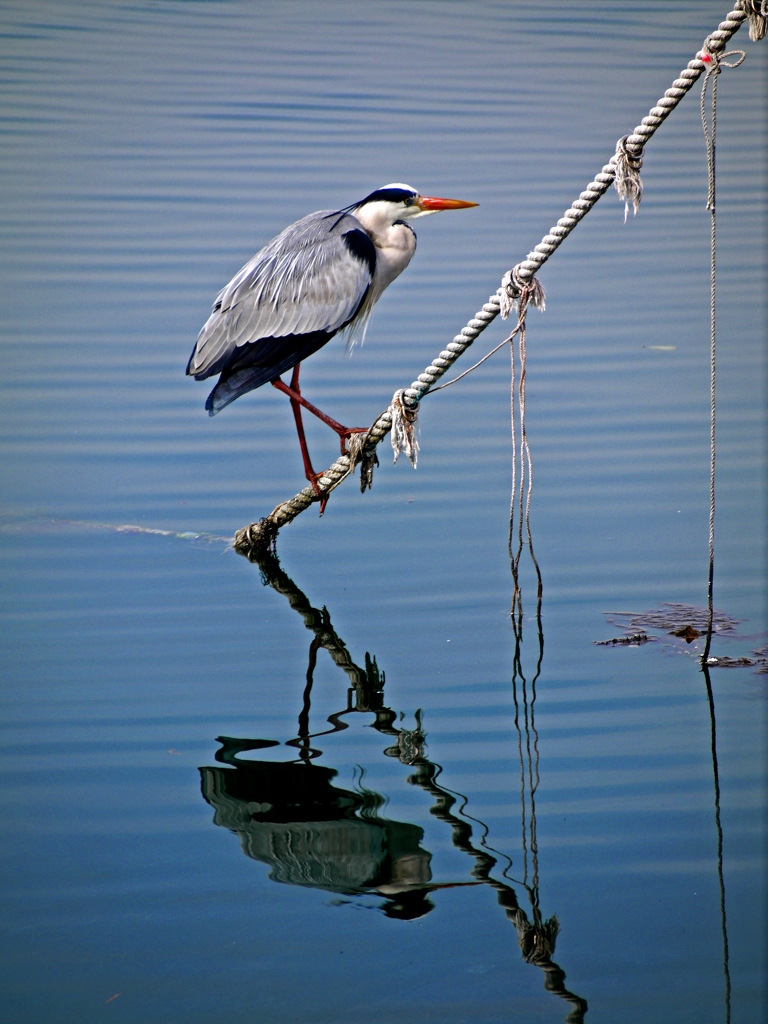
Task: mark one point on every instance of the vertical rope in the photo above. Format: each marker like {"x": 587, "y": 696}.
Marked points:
{"x": 527, "y": 295}
{"x": 711, "y": 141}
{"x": 513, "y": 496}
{"x": 714, "y": 63}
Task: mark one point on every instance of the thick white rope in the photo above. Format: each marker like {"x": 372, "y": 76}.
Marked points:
{"x": 624, "y": 166}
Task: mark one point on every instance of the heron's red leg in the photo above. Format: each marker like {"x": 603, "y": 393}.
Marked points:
{"x": 309, "y": 472}
{"x": 295, "y": 395}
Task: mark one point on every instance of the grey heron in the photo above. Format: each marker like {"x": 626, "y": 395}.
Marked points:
{"x": 319, "y": 276}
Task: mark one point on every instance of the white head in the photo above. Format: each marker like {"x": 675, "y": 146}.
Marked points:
{"x": 397, "y": 201}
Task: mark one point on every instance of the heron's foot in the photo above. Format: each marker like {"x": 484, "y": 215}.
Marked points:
{"x": 347, "y": 433}
{"x": 322, "y": 495}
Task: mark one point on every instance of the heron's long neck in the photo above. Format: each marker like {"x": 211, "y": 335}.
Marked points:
{"x": 395, "y": 245}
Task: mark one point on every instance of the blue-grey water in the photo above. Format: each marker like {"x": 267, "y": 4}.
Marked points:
{"x": 349, "y": 785}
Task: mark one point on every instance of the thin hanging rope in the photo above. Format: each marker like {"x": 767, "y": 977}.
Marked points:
{"x": 513, "y": 496}
{"x": 517, "y": 398}
{"x": 474, "y": 366}
{"x": 710, "y": 135}
{"x": 627, "y": 160}
{"x": 711, "y": 206}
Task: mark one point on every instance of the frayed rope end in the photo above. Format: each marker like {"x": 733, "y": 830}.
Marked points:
{"x": 404, "y": 423}
{"x": 514, "y": 288}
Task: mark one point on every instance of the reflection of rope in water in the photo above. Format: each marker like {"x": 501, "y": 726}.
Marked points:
{"x": 326, "y": 637}
{"x": 494, "y": 854}
{"x": 524, "y": 484}
{"x": 719, "y": 828}
{"x": 537, "y": 937}
{"x": 528, "y": 761}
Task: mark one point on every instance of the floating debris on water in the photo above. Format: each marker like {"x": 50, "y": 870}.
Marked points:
{"x": 633, "y": 640}
{"x": 688, "y": 623}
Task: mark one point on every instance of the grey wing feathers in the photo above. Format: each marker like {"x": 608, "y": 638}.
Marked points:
{"x": 309, "y": 278}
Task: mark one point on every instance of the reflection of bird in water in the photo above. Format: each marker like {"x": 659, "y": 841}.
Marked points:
{"x": 403, "y": 873}
{"x": 312, "y": 833}
{"x": 319, "y": 276}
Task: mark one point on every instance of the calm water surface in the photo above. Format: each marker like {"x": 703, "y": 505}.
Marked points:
{"x": 348, "y": 784}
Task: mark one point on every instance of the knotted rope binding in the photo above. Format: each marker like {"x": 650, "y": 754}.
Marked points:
{"x": 757, "y": 11}
{"x": 627, "y": 181}
{"x": 404, "y": 419}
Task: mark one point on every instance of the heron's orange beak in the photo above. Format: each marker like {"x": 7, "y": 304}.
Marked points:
{"x": 433, "y": 204}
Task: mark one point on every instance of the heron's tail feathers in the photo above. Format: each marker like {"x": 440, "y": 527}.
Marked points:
{"x": 231, "y": 385}
{"x": 260, "y": 362}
